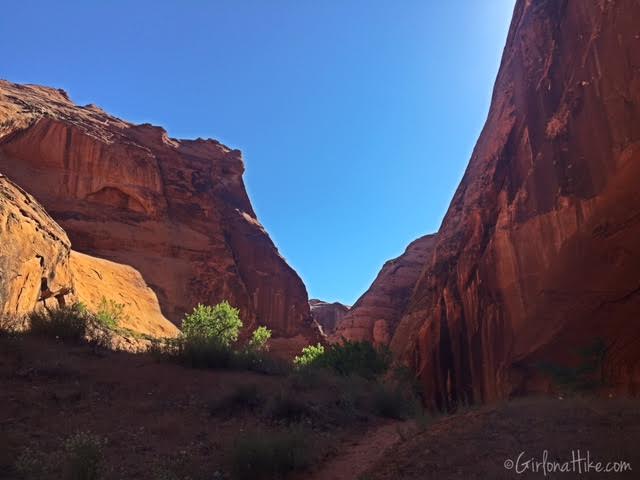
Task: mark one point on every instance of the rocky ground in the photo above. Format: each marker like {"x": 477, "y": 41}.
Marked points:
{"x": 164, "y": 421}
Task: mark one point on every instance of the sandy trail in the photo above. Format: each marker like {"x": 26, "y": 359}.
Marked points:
{"x": 357, "y": 456}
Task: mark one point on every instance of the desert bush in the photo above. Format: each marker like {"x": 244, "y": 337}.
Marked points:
{"x": 83, "y": 460}
{"x": 200, "y": 352}
{"x": 220, "y": 323}
{"x": 110, "y": 313}
{"x": 347, "y": 358}
{"x": 259, "y": 339}
{"x": 391, "y": 401}
{"x": 243, "y": 397}
{"x": 267, "y": 455}
{"x": 288, "y": 407}
{"x": 68, "y": 323}
{"x": 31, "y": 465}
{"x": 586, "y": 376}
{"x": 309, "y": 356}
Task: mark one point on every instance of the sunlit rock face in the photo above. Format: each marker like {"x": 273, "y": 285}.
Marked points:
{"x": 34, "y": 254}
{"x": 176, "y": 210}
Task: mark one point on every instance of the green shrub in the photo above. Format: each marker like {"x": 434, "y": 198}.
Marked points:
{"x": 221, "y": 323}
{"x": 288, "y": 407}
{"x": 83, "y": 456}
{"x": 259, "y": 339}
{"x": 587, "y": 376}
{"x": 198, "y": 352}
{"x": 310, "y": 355}
{"x": 68, "y": 323}
{"x": 262, "y": 455}
{"x": 109, "y": 313}
{"x": 31, "y": 465}
{"x": 347, "y": 358}
{"x": 393, "y": 402}
{"x": 244, "y": 397}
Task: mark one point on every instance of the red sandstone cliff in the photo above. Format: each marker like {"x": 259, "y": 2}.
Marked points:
{"x": 176, "y": 210}
{"x": 539, "y": 252}
{"x": 376, "y": 314}
{"x": 327, "y": 315}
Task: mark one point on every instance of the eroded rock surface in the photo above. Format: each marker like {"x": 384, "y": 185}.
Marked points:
{"x": 538, "y": 254}
{"x": 177, "y": 211}
{"x": 327, "y": 315}
{"x": 34, "y": 254}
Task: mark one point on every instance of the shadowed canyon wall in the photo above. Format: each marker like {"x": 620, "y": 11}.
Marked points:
{"x": 539, "y": 254}
{"x": 176, "y": 210}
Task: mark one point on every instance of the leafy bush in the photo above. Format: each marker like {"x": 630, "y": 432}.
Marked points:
{"x": 109, "y": 313}
{"x": 31, "y": 465}
{"x": 288, "y": 407}
{"x": 83, "y": 456}
{"x": 259, "y": 339}
{"x": 220, "y": 323}
{"x": 68, "y": 323}
{"x": 262, "y": 455}
{"x": 588, "y": 375}
{"x": 347, "y": 358}
{"x": 310, "y": 355}
{"x": 244, "y": 397}
{"x": 393, "y": 402}
{"x": 197, "y": 352}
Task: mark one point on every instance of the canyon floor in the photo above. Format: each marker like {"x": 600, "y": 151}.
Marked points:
{"x": 163, "y": 421}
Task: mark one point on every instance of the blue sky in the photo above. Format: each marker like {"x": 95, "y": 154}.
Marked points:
{"x": 356, "y": 118}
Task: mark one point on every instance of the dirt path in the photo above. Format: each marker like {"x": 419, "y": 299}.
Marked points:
{"x": 359, "y": 455}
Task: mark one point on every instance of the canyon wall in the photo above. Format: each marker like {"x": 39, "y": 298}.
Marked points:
{"x": 327, "y": 315}
{"x": 175, "y": 210}
{"x": 538, "y": 254}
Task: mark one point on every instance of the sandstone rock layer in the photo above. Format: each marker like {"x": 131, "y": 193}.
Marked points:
{"x": 97, "y": 281}
{"x": 539, "y": 252}
{"x": 34, "y": 254}
{"x": 177, "y": 211}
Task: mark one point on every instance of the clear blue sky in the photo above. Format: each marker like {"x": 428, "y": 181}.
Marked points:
{"x": 356, "y": 118}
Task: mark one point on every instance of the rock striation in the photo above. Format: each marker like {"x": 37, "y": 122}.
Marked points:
{"x": 538, "y": 254}
{"x": 175, "y": 210}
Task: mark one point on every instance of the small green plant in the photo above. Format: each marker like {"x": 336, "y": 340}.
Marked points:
{"x": 259, "y": 339}
{"x": 109, "y": 313}
{"x": 67, "y": 323}
{"x": 310, "y": 355}
{"x": 83, "y": 456}
{"x": 262, "y": 455}
{"x": 220, "y": 323}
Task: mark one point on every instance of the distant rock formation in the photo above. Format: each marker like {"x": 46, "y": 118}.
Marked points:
{"x": 327, "y": 315}
{"x": 376, "y": 314}
{"x": 175, "y": 210}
